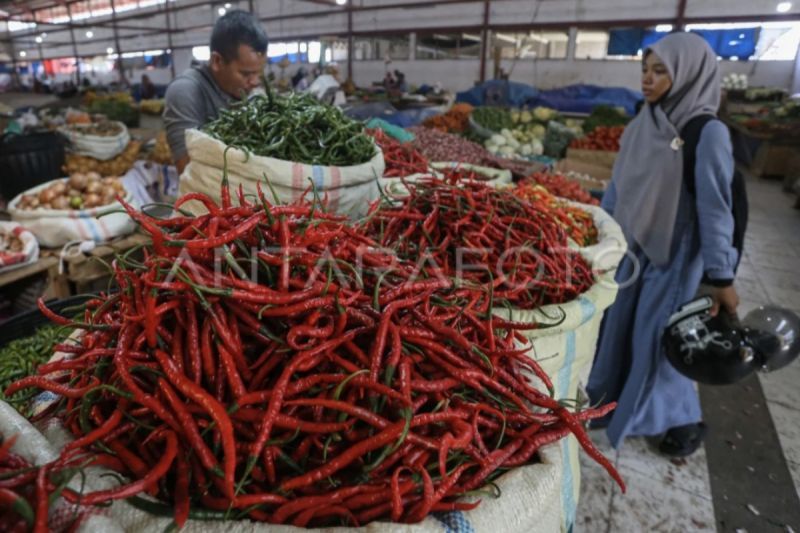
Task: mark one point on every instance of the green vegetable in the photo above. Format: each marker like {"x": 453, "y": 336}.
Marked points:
{"x": 116, "y": 110}
{"x": 294, "y": 128}
{"x": 20, "y": 357}
{"x": 493, "y": 118}
{"x": 605, "y": 115}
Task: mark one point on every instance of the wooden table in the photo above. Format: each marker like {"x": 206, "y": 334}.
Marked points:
{"x": 765, "y": 154}
{"x": 82, "y": 272}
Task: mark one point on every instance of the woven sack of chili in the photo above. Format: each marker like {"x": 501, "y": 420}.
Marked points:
{"x": 348, "y": 190}
{"x": 566, "y": 349}
{"x": 526, "y": 499}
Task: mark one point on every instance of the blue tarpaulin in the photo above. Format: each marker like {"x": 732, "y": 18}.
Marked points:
{"x": 498, "y": 92}
{"x": 584, "y": 98}
{"x": 386, "y": 111}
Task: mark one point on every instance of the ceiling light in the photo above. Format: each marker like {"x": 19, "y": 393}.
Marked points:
{"x": 783, "y": 7}
{"x": 44, "y": 34}
{"x": 23, "y": 53}
{"x": 221, "y": 11}
{"x": 664, "y": 28}
{"x": 228, "y": 5}
{"x": 734, "y": 58}
{"x": 38, "y": 40}
{"x": 341, "y": 2}
{"x": 90, "y": 34}
{"x": 109, "y": 50}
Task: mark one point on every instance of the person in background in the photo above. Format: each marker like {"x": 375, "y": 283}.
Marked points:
{"x": 300, "y": 80}
{"x": 389, "y": 81}
{"x": 148, "y": 89}
{"x": 400, "y": 84}
{"x": 195, "y": 98}
{"x": 676, "y": 241}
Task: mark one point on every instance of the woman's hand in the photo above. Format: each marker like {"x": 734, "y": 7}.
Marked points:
{"x": 725, "y": 298}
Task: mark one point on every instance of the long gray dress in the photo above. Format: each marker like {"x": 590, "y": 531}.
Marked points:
{"x": 630, "y": 366}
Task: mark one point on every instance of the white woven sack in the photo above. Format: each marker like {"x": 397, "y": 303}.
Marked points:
{"x": 56, "y": 227}
{"x": 497, "y": 177}
{"x": 100, "y": 147}
{"x": 528, "y": 501}
{"x": 349, "y": 190}
{"x": 30, "y": 247}
{"x": 565, "y": 351}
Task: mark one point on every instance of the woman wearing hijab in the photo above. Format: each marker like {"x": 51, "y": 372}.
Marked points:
{"x": 676, "y": 241}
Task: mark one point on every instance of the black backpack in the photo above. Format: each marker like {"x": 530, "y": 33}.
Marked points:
{"x": 691, "y": 138}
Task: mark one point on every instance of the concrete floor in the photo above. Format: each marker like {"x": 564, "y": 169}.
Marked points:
{"x": 675, "y": 495}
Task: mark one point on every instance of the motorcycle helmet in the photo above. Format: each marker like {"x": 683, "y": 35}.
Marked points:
{"x": 706, "y": 349}
{"x": 774, "y": 334}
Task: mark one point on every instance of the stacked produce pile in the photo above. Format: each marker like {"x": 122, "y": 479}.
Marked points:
{"x": 438, "y": 146}
{"x": 526, "y": 250}
{"x": 316, "y": 392}
{"x": 295, "y": 127}
{"x": 117, "y": 166}
{"x": 601, "y": 138}
{"x": 605, "y": 115}
{"x": 456, "y": 120}
{"x": 578, "y": 224}
{"x": 79, "y": 191}
{"x": 114, "y": 106}
{"x": 401, "y": 159}
{"x": 103, "y": 128}
{"x": 154, "y": 106}
{"x": 493, "y": 119}
{"x": 559, "y": 184}
{"x": 161, "y": 153}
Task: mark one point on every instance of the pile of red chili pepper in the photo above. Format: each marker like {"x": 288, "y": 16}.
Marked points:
{"x": 601, "y": 138}
{"x": 578, "y": 223}
{"x": 487, "y": 238}
{"x": 272, "y": 362}
{"x": 401, "y": 159}
{"x": 560, "y": 185}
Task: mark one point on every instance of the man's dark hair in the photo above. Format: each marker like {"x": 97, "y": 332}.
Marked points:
{"x": 236, "y": 28}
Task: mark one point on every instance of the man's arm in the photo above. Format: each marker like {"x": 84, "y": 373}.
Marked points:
{"x": 182, "y": 110}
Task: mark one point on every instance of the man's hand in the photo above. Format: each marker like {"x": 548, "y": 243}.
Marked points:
{"x": 725, "y": 298}
{"x": 181, "y": 163}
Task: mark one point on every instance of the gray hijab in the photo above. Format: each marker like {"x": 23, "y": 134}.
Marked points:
{"x": 648, "y": 172}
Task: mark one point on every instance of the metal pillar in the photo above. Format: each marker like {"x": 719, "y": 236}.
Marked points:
{"x": 74, "y": 49}
{"x": 350, "y": 42}
{"x": 122, "y": 78}
{"x": 485, "y": 36}
{"x": 169, "y": 40}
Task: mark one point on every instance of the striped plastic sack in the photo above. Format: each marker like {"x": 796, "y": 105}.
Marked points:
{"x": 14, "y": 259}
{"x": 54, "y": 228}
{"x": 348, "y": 190}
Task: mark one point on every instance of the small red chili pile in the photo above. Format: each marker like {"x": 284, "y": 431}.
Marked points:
{"x": 401, "y": 159}
{"x": 601, "y": 138}
{"x": 486, "y": 237}
{"x": 578, "y": 223}
{"x": 275, "y": 363}
{"x": 558, "y": 184}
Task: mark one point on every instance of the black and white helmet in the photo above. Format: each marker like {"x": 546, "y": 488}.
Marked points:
{"x": 721, "y": 350}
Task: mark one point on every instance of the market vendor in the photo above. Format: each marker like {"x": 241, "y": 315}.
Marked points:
{"x": 238, "y": 56}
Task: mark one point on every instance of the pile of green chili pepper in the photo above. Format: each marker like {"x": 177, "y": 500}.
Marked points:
{"x": 19, "y": 358}
{"x": 294, "y": 128}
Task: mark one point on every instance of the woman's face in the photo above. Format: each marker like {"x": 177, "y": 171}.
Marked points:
{"x": 655, "y": 79}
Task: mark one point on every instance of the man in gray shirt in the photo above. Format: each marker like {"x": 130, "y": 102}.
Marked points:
{"x": 195, "y": 98}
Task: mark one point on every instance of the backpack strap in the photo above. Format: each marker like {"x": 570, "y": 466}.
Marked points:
{"x": 691, "y": 138}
